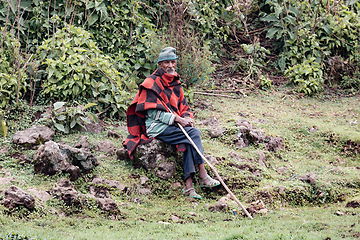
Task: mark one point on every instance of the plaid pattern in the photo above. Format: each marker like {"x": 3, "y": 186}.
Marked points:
{"x": 160, "y": 91}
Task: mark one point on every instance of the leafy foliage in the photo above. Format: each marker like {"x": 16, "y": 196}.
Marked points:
{"x": 307, "y": 75}
{"x": 10, "y": 71}
{"x": 65, "y": 119}
{"x": 77, "y": 68}
{"x": 312, "y": 31}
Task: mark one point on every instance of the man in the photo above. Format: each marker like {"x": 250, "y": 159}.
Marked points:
{"x": 157, "y": 109}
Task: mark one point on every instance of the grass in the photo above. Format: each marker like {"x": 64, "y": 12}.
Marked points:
{"x": 298, "y": 210}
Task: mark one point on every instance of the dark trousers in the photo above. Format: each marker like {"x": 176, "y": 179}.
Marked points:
{"x": 174, "y": 135}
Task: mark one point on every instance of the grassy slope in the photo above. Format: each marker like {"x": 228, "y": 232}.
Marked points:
{"x": 287, "y": 116}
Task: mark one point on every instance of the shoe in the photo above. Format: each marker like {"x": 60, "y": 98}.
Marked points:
{"x": 192, "y": 194}
{"x": 210, "y": 184}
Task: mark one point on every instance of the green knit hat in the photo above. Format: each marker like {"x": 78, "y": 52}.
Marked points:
{"x": 168, "y": 53}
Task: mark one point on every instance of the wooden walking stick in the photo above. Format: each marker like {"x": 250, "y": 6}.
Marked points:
{"x": 215, "y": 172}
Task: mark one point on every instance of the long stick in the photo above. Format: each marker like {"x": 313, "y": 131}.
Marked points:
{"x": 216, "y": 173}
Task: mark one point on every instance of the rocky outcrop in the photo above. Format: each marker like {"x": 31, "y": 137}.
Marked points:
{"x": 101, "y": 187}
{"x": 249, "y": 135}
{"x": 64, "y": 190}
{"x": 153, "y": 156}
{"x": 53, "y": 157}
{"x": 34, "y": 136}
{"x": 15, "y": 197}
{"x": 106, "y": 146}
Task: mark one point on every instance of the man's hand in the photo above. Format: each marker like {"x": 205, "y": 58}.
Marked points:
{"x": 184, "y": 122}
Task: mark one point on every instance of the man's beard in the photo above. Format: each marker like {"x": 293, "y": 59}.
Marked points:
{"x": 170, "y": 71}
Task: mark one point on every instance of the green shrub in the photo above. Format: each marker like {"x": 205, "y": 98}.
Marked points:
{"x": 66, "y": 119}
{"x": 11, "y": 69}
{"x": 77, "y": 70}
{"x": 312, "y": 30}
{"x": 308, "y": 76}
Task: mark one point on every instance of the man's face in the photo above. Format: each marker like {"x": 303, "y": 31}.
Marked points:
{"x": 168, "y": 66}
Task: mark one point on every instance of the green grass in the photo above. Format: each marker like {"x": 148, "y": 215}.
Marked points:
{"x": 298, "y": 210}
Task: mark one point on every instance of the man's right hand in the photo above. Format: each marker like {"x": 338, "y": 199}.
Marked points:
{"x": 184, "y": 122}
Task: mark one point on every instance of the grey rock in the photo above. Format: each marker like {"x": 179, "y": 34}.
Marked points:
{"x": 15, "y": 196}
{"x": 114, "y": 134}
{"x": 275, "y": 144}
{"x": 109, "y": 183}
{"x": 40, "y": 194}
{"x": 33, "y": 136}
{"x": 219, "y": 206}
{"x": 64, "y": 190}
{"x": 153, "y": 156}
{"x": 143, "y": 180}
{"x": 53, "y": 157}
{"x": 92, "y": 127}
{"x": 106, "y": 146}
{"x": 165, "y": 170}
{"x": 216, "y": 131}
{"x": 83, "y": 143}
{"x": 213, "y": 161}
{"x": 308, "y": 178}
{"x": 107, "y": 204}
{"x": 144, "y": 191}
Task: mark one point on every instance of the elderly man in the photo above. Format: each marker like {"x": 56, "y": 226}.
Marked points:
{"x": 157, "y": 109}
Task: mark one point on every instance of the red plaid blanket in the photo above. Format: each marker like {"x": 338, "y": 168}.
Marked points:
{"x": 160, "y": 91}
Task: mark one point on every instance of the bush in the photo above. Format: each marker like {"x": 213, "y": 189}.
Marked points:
{"x": 77, "y": 70}
{"x": 12, "y": 72}
{"x": 312, "y": 31}
{"x": 308, "y": 76}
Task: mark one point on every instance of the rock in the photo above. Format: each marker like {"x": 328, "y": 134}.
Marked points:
{"x": 248, "y": 135}
{"x": 14, "y": 197}
{"x": 176, "y": 185}
{"x": 105, "y": 146}
{"x": 210, "y": 122}
{"x": 52, "y": 157}
{"x": 107, "y": 204}
{"x": 33, "y": 136}
{"x": 109, "y": 183}
{"x": 144, "y": 191}
{"x": 216, "y": 131}
{"x": 165, "y": 223}
{"x": 144, "y": 180}
{"x": 101, "y": 187}
{"x": 192, "y": 214}
{"x": 219, "y": 206}
{"x": 243, "y": 123}
{"x": 64, "y": 190}
{"x": 262, "y": 159}
{"x": 339, "y": 213}
{"x": 280, "y": 170}
{"x": 114, "y": 134}
{"x": 92, "y": 127}
{"x": 257, "y": 207}
{"x": 308, "y": 178}
{"x": 165, "y": 170}
{"x": 40, "y": 194}
{"x": 153, "y": 156}
{"x": 274, "y": 144}
{"x": 122, "y": 154}
{"x": 213, "y": 161}
{"x": 83, "y": 143}
{"x": 353, "y": 204}
{"x": 175, "y": 218}
{"x": 99, "y": 192}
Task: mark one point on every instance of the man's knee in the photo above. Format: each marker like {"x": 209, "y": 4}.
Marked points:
{"x": 194, "y": 132}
